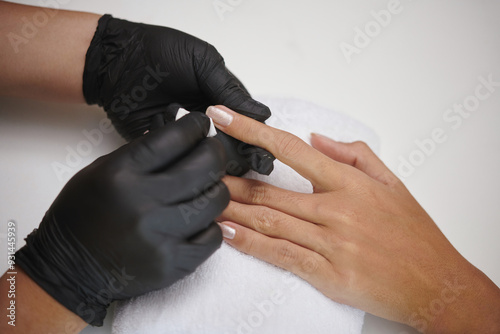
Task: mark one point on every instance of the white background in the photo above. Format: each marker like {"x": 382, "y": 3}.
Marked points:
{"x": 427, "y": 59}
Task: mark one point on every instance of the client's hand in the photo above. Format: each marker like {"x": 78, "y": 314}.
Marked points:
{"x": 360, "y": 238}
{"x": 135, "y": 220}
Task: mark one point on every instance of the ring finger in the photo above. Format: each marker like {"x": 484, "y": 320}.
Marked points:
{"x": 275, "y": 224}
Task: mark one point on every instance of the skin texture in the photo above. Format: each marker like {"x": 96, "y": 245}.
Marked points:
{"x": 36, "y": 310}
{"x": 360, "y": 238}
{"x": 45, "y": 62}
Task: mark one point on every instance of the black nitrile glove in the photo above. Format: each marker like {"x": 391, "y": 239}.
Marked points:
{"x": 133, "y": 221}
{"x": 135, "y": 71}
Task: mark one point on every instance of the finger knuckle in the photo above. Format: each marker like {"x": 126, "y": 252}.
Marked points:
{"x": 309, "y": 265}
{"x": 265, "y": 221}
{"x": 339, "y": 241}
{"x": 207, "y": 53}
{"x": 360, "y": 146}
{"x": 249, "y": 245}
{"x": 321, "y": 209}
{"x": 289, "y": 145}
{"x": 286, "y": 254}
{"x": 334, "y": 242}
{"x": 391, "y": 180}
{"x": 349, "y": 278}
{"x": 115, "y": 182}
{"x": 257, "y": 193}
{"x": 348, "y": 217}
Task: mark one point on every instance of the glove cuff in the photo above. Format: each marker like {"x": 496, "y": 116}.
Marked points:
{"x": 52, "y": 261}
{"x": 92, "y": 76}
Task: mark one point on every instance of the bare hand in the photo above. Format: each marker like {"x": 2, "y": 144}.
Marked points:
{"x": 360, "y": 238}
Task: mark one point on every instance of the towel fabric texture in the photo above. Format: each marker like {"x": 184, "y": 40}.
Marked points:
{"x": 233, "y": 293}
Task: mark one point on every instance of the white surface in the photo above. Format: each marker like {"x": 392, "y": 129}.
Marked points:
{"x": 236, "y": 293}
{"x": 212, "y": 132}
{"x": 428, "y": 58}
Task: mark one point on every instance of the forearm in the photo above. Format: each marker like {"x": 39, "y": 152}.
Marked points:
{"x": 42, "y": 51}
{"x": 35, "y": 311}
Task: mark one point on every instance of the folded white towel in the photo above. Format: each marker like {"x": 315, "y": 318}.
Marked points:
{"x": 236, "y": 293}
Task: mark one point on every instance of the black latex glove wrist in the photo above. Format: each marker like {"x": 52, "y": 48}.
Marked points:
{"x": 133, "y": 221}
{"x": 136, "y": 71}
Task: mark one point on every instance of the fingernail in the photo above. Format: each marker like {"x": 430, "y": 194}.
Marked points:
{"x": 219, "y": 116}
{"x": 317, "y": 134}
{"x": 227, "y": 231}
{"x": 325, "y": 138}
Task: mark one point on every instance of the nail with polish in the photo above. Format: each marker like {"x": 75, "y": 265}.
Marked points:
{"x": 227, "y": 231}
{"x": 219, "y": 116}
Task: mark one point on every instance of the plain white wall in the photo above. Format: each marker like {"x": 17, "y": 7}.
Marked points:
{"x": 426, "y": 59}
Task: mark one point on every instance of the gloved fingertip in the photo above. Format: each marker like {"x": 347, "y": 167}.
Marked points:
{"x": 259, "y": 159}
{"x": 200, "y": 118}
{"x": 265, "y": 164}
{"x": 265, "y": 109}
{"x": 212, "y": 235}
{"x": 254, "y": 109}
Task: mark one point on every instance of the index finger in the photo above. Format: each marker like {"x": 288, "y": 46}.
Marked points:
{"x": 223, "y": 87}
{"x": 286, "y": 147}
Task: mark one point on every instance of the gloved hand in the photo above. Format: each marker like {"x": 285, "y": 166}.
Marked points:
{"x": 133, "y": 221}
{"x": 135, "y": 71}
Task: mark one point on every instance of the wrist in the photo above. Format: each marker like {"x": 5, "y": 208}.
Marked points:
{"x": 35, "y": 311}
{"x": 59, "y": 265}
{"x": 476, "y": 308}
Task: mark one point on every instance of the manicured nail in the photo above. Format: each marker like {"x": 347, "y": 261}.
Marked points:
{"x": 227, "y": 231}
{"x": 219, "y": 116}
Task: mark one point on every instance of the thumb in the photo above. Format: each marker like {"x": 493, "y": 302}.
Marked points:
{"x": 239, "y": 97}
{"x": 223, "y": 87}
{"x": 163, "y": 146}
{"x": 357, "y": 154}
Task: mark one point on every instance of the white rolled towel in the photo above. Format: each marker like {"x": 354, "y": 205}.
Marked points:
{"x": 233, "y": 293}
